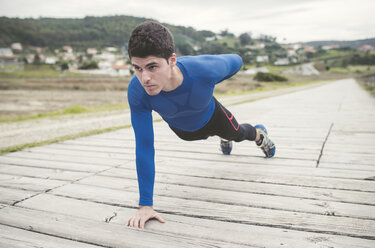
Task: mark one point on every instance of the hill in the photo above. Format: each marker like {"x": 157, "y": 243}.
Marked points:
{"x": 352, "y": 43}
{"x": 83, "y": 33}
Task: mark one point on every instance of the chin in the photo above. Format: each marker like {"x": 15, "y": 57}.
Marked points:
{"x": 152, "y": 93}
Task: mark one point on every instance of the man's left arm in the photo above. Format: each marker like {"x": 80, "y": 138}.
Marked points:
{"x": 230, "y": 65}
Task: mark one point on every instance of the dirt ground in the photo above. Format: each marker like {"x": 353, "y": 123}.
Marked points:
{"x": 20, "y": 97}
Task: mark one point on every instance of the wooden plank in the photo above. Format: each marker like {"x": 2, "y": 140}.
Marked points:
{"x": 11, "y": 196}
{"x": 194, "y": 227}
{"x": 56, "y": 174}
{"x": 29, "y": 183}
{"x": 228, "y": 212}
{"x": 11, "y": 237}
{"x": 213, "y": 170}
{"x": 244, "y": 148}
{"x": 127, "y": 154}
{"x": 280, "y": 169}
{"x": 86, "y": 161}
{"x": 242, "y": 198}
{"x": 95, "y": 232}
{"x": 37, "y": 161}
{"x": 122, "y": 182}
{"x": 226, "y": 163}
{"x": 348, "y": 158}
{"x": 352, "y": 167}
{"x": 207, "y": 146}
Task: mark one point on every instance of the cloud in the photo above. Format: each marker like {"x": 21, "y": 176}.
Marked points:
{"x": 293, "y": 19}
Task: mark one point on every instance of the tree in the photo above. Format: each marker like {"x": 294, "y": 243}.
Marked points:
{"x": 245, "y": 39}
{"x": 37, "y": 60}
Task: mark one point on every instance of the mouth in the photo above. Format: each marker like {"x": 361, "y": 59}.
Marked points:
{"x": 149, "y": 86}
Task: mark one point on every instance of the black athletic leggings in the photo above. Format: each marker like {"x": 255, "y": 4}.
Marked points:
{"x": 222, "y": 124}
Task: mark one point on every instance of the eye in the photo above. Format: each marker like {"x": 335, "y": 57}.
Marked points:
{"x": 152, "y": 67}
{"x": 137, "y": 68}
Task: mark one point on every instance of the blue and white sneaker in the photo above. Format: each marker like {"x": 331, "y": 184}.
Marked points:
{"x": 265, "y": 143}
{"x": 226, "y": 146}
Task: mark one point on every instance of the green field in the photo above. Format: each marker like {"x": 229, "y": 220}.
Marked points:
{"x": 37, "y": 71}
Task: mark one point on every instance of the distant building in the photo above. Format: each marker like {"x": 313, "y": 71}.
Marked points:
{"x": 310, "y": 49}
{"x": 329, "y": 47}
{"x": 111, "y": 49}
{"x": 366, "y": 48}
{"x": 50, "y": 60}
{"x": 120, "y": 70}
{"x": 30, "y": 58}
{"x": 16, "y": 47}
{"x": 210, "y": 38}
{"x": 92, "y": 51}
{"x": 262, "y": 59}
{"x": 291, "y": 52}
{"x": 257, "y": 46}
{"x": 295, "y": 46}
{"x": 67, "y": 49}
{"x": 254, "y": 71}
{"x": 6, "y": 53}
{"x": 105, "y": 56}
{"x": 282, "y": 61}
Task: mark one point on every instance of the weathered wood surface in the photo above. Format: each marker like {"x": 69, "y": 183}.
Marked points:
{"x": 319, "y": 190}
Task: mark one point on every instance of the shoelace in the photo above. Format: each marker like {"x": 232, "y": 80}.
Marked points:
{"x": 267, "y": 143}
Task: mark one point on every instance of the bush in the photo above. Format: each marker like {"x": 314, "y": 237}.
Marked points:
{"x": 269, "y": 77}
{"x": 88, "y": 66}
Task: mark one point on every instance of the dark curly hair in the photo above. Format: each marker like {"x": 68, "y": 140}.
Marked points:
{"x": 151, "y": 39}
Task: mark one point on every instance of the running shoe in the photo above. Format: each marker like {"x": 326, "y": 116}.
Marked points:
{"x": 226, "y": 146}
{"x": 265, "y": 143}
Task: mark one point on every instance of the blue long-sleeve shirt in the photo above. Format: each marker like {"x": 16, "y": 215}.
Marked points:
{"x": 188, "y": 108}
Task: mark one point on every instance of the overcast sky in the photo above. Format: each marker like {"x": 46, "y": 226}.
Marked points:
{"x": 288, "y": 20}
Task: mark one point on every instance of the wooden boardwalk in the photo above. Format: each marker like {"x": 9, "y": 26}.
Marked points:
{"x": 319, "y": 190}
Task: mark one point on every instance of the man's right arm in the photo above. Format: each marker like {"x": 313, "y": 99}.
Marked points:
{"x": 141, "y": 118}
{"x": 145, "y": 153}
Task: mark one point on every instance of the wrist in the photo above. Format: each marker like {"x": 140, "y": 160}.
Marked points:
{"x": 145, "y": 207}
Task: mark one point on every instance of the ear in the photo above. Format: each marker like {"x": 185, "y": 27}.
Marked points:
{"x": 172, "y": 59}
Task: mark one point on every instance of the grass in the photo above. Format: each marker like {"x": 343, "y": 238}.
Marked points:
{"x": 354, "y": 69}
{"x": 38, "y": 71}
{"x": 366, "y": 87}
{"x": 67, "y": 111}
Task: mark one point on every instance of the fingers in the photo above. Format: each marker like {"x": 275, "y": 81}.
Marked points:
{"x": 140, "y": 218}
{"x": 142, "y": 222}
{"x": 159, "y": 218}
{"x": 133, "y": 222}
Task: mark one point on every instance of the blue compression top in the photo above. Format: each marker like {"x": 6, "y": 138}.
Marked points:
{"x": 188, "y": 108}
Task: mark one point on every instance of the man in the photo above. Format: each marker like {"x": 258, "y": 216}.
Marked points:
{"x": 181, "y": 91}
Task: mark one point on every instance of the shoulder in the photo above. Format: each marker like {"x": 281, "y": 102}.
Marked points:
{"x": 203, "y": 65}
{"x": 136, "y": 93}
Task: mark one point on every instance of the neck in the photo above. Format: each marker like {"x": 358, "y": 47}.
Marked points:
{"x": 176, "y": 78}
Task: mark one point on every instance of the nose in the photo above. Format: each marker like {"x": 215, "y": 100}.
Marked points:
{"x": 146, "y": 77}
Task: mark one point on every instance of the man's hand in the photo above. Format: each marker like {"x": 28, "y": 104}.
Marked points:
{"x": 142, "y": 216}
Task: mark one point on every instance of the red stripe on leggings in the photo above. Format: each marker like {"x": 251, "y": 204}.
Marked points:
{"x": 230, "y": 119}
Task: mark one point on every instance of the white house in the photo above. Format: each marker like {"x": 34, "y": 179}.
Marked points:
{"x": 282, "y": 61}
{"x": 16, "y": 46}
{"x": 262, "y": 59}
{"x": 92, "y": 51}
{"x": 254, "y": 71}
{"x": 6, "y": 52}
{"x": 50, "y": 60}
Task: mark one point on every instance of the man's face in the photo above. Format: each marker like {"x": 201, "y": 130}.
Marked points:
{"x": 154, "y": 73}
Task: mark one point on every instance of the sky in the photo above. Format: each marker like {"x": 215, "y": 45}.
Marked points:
{"x": 288, "y": 20}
